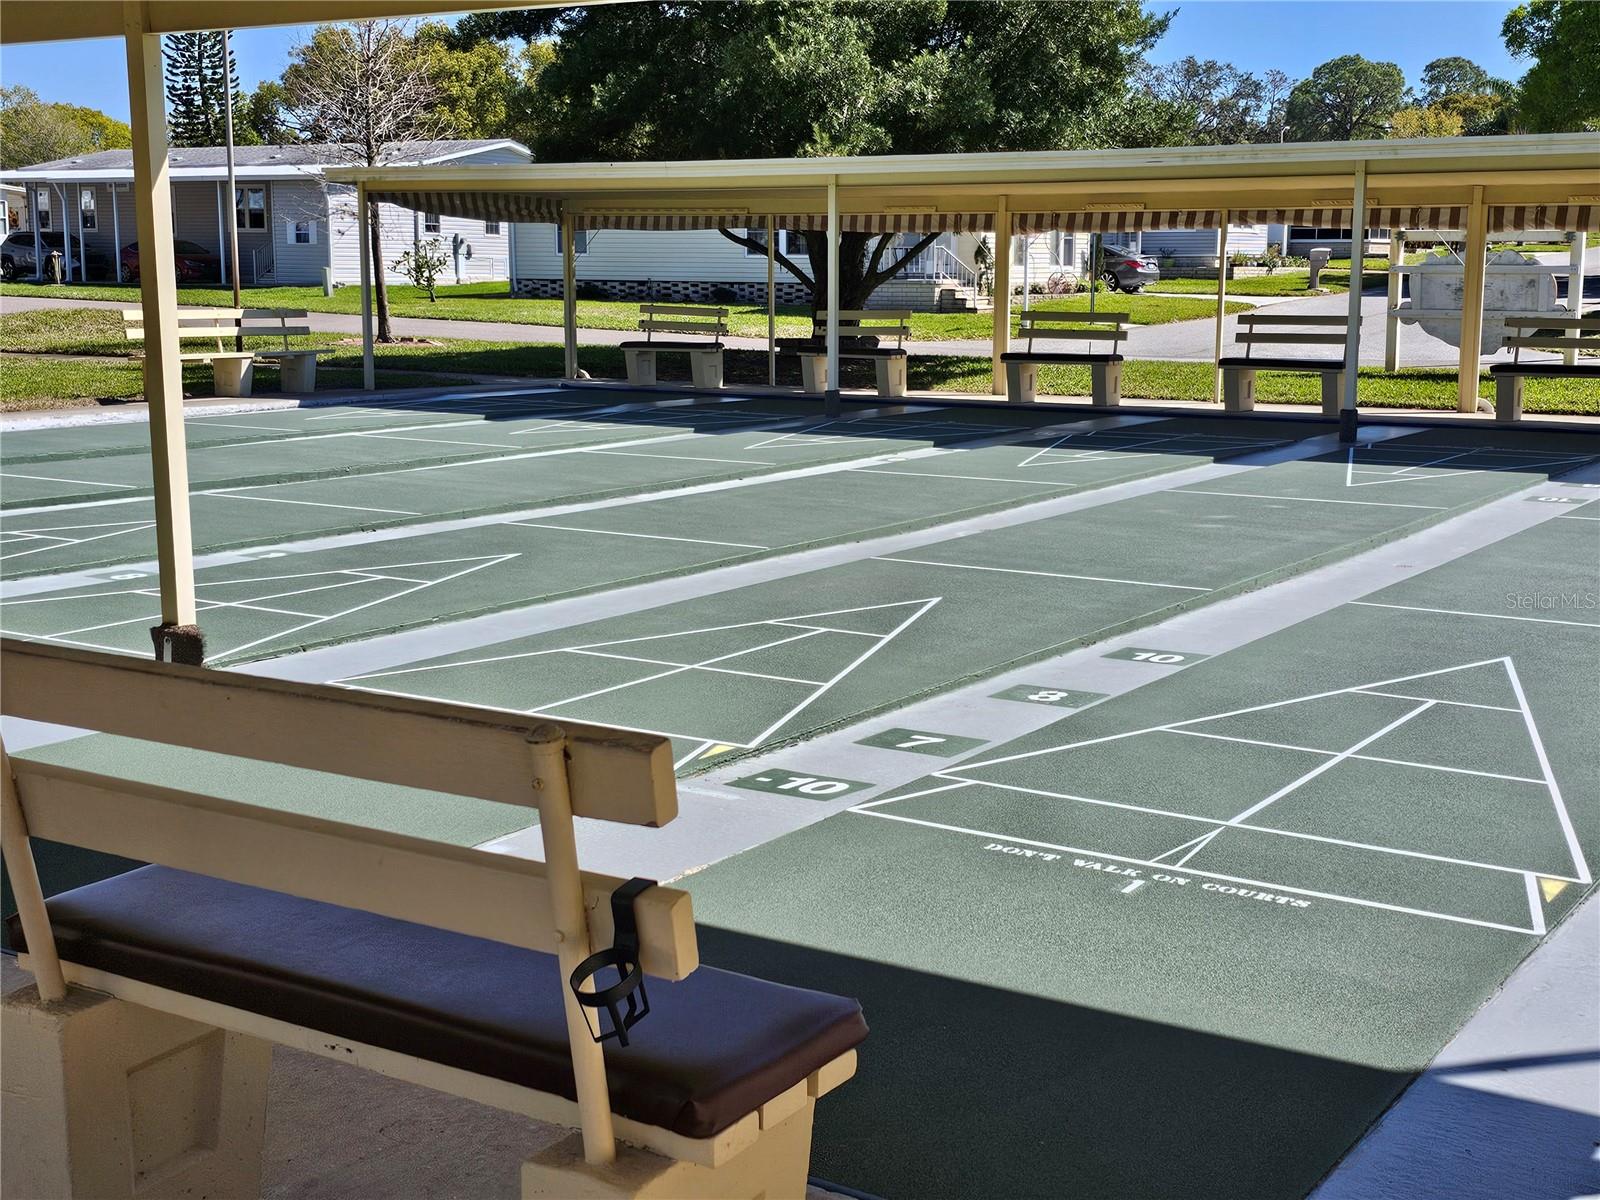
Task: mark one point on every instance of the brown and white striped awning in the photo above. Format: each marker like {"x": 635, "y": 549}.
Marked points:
{"x": 477, "y": 206}
{"x": 1117, "y": 221}
{"x": 922, "y": 222}
{"x": 1570, "y": 217}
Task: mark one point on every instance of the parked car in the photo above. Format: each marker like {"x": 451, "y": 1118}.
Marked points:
{"x": 1126, "y": 271}
{"x": 16, "y": 255}
{"x": 195, "y": 263}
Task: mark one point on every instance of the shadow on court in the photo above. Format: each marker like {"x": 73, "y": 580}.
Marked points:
{"x": 966, "y": 1090}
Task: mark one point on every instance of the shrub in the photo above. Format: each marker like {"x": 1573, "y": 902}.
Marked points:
{"x": 724, "y": 295}
{"x": 592, "y": 291}
{"x": 423, "y": 264}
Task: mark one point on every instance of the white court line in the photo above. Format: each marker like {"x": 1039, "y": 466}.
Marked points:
{"x": 237, "y": 494}
{"x": 1322, "y": 768}
{"x": 1303, "y": 499}
{"x": 1040, "y": 482}
{"x": 368, "y": 436}
{"x": 1393, "y": 762}
{"x": 121, "y": 487}
{"x": 666, "y": 662}
{"x": 1367, "y": 691}
{"x": 943, "y": 787}
{"x": 1193, "y": 845}
{"x": 57, "y": 542}
{"x": 928, "y": 562}
{"x": 1562, "y": 816}
{"x": 655, "y": 537}
{"x": 749, "y": 462}
{"x": 1463, "y": 612}
{"x": 1143, "y": 862}
{"x": 1535, "y": 908}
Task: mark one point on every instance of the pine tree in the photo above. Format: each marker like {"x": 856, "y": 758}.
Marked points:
{"x": 198, "y": 81}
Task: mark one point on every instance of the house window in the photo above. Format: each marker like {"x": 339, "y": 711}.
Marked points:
{"x": 303, "y": 233}
{"x": 250, "y": 207}
{"x": 759, "y": 236}
{"x": 580, "y": 241}
{"x": 86, "y": 209}
{"x": 491, "y": 226}
{"x": 44, "y": 209}
{"x": 430, "y": 222}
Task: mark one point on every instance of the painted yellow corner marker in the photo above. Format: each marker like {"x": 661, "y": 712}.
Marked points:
{"x": 1551, "y": 888}
{"x": 723, "y": 748}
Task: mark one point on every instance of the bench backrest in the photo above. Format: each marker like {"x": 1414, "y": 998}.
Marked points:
{"x": 275, "y": 322}
{"x": 1059, "y": 325}
{"x": 214, "y": 323}
{"x": 710, "y": 323}
{"x": 1291, "y": 329}
{"x": 866, "y": 322}
{"x": 1580, "y": 333}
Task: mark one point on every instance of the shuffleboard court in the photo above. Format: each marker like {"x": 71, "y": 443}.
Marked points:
{"x": 1228, "y": 915}
{"x": 741, "y": 670}
{"x": 69, "y": 537}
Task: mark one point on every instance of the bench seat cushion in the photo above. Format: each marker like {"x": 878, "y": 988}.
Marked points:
{"x": 671, "y": 345}
{"x": 1578, "y": 370}
{"x": 292, "y": 353}
{"x": 714, "y": 1048}
{"x": 1283, "y": 364}
{"x": 1059, "y": 356}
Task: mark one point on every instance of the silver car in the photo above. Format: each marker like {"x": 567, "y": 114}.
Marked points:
{"x": 1126, "y": 271}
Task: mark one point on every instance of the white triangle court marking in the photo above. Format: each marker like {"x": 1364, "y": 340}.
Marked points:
{"x": 1553, "y": 789}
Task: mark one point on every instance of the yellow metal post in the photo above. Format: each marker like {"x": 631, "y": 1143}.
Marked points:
{"x": 158, "y": 294}
{"x": 369, "y": 369}
{"x": 1352, "y": 345}
{"x": 569, "y": 298}
{"x": 772, "y": 304}
{"x": 1221, "y": 334}
{"x": 1474, "y": 255}
{"x": 831, "y": 397}
{"x": 1001, "y": 341}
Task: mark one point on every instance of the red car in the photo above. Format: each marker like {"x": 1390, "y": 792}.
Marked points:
{"x": 195, "y": 263}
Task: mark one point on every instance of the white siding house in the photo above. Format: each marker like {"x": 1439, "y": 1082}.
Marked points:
{"x": 292, "y": 224}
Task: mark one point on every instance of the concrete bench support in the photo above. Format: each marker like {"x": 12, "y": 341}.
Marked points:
{"x": 144, "y": 1104}
{"x": 1022, "y": 383}
{"x": 1508, "y": 397}
{"x": 889, "y": 368}
{"x": 1239, "y": 390}
{"x": 233, "y": 375}
{"x": 297, "y": 371}
{"x": 705, "y": 367}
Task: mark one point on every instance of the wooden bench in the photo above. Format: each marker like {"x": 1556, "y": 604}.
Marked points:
{"x": 1269, "y": 329}
{"x": 861, "y": 334}
{"x": 1583, "y": 333}
{"x": 141, "y": 1052}
{"x": 705, "y": 357}
{"x": 1105, "y": 367}
{"x": 297, "y": 365}
{"x": 231, "y": 370}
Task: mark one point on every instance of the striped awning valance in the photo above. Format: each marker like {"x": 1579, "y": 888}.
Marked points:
{"x": 1119, "y": 221}
{"x": 476, "y": 206}
{"x": 937, "y": 222}
{"x": 1571, "y": 217}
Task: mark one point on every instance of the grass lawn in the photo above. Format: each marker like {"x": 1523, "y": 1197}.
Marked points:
{"x": 30, "y": 381}
{"x": 489, "y": 302}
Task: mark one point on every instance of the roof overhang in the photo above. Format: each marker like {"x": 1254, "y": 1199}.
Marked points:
{"x": 1526, "y": 169}
{"x": 43, "y": 22}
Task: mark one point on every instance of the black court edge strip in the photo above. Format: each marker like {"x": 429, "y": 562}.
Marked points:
{"x": 840, "y": 1189}
{"x": 1105, "y": 633}
{"x": 910, "y": 525}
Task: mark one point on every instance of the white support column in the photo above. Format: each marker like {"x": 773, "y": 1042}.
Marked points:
{"x": 369, "y": 369}
{"x": 83, "y": 251}
{"x": 1000, "y": 339}
{"x": 569, "y": 297}
{"x": 1391, "y": 323}
{"x": 1220, "y": 335}
{"x": 158, "y": 290}
{"x": 1574, "y": 290}
{"x": 222, "y": 239}
{"x": 772, "y": 303}
{"x": 1352, "y": 345}
{"x": 831, "y": 400}
{"x": 38, "y": 242}
{"x": 1474, "y": 255}
{"x": 116, "y": 232}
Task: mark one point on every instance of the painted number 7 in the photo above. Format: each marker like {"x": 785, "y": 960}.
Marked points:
{"x": 920, "y": 739}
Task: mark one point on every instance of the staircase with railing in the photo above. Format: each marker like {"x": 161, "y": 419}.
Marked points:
{"x": 263, "y": 268}
{"x": 953, "y": 281}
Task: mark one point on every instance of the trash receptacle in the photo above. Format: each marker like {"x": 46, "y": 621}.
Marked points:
{"x": 54, "y": 267}
{"x": 1318, "y": 258}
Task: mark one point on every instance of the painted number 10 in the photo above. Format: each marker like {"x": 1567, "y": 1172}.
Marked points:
{"x": 808, "y": 785}
{"x": 1152, "y": 656}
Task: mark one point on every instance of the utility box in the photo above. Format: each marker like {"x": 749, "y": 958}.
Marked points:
{"x": 1318, "y": 258}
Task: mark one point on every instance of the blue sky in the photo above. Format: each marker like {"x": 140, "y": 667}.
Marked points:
{"x": 1255, "y": 35}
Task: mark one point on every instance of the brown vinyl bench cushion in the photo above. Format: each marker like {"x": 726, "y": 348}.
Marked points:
{"x": 714, "y": 1048}
{"x": 1582, "y": 370}
{"x": 670, "y": 345}
{"x": 1059, "y": 356}
{"x": 1283, "y": 364}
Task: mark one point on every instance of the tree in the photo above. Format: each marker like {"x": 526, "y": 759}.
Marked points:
{"x": 803, "y": 78}
{"x": 1424, "y": 121}
{"x": 475, "y": 82}
{"x": 423, "y": 264}
{"x": 261, "y": 118}
{"x": 33, "y": 131}
{"x": 1561, "y": 91}
{"x": 1345, "y": 99}
{"x": 364, "y": 90}
{"x": 200, "y": 77}
{"x": 1453, "y": 76}
{"x": 1213, "y": 103}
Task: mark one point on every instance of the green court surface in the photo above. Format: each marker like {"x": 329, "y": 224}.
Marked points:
{"x": 1211, "y": 927}
{"x": 284, "y": 601}
{"x": 68, "y": 537}
{"x": 775, "y": 662}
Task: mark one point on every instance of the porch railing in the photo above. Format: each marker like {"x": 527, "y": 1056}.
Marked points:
{"x": 940, "y": 262}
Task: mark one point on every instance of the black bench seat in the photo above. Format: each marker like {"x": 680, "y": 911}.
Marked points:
{"x": 1259, "y": 363}
{"x": 1559, "y": 370}
{"x": 659, "y": 345}
{"x": 1058, "y": 356}
{"x": 714, "y": 1048}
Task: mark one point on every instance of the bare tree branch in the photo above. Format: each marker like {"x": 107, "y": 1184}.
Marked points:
{"x": 751, "y": 243}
